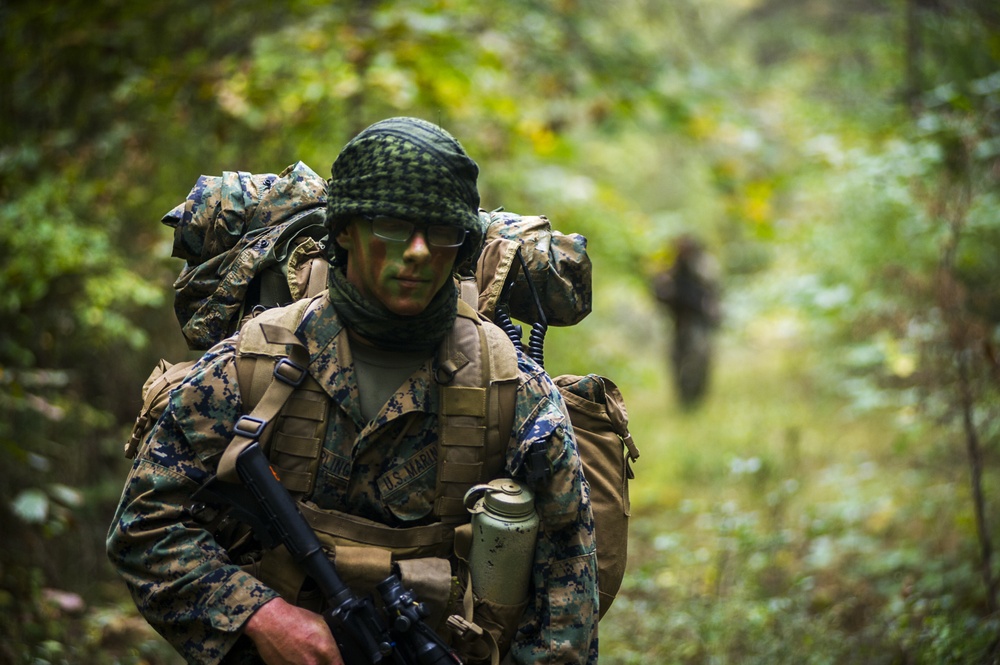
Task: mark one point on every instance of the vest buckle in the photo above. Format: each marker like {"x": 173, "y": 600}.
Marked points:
{"x": 289, "y": 372}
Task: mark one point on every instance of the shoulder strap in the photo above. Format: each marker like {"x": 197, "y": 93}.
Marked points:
{"x": 264, "y": 340}
{"x": 478, "y": 379}
{"x": 503, "y": 395}
{"x": 271, "y": 363}
{"x": 468, "y": 291}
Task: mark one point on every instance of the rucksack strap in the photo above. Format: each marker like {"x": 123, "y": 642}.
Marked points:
{"x": 287, "y": 375}
{"x": 476, "y": 409}
{"x": 618, "y": 414}
{"x": 468, "y": 291}
{"x": 271, "y": 364}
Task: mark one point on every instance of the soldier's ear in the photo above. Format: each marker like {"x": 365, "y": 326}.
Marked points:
{"x": 346, "y": 237}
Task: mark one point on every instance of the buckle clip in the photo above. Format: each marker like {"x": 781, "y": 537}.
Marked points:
{"x": 135, "y": 439}
{"x": 466, "y": 630}
{"x": 250, "y": 427}
{"x": 288, "y": 372}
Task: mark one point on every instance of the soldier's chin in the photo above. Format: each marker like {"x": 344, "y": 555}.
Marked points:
{"x": 407, "y": 306}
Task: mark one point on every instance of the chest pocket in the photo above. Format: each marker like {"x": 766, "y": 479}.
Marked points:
{"x": 407, "y": 488}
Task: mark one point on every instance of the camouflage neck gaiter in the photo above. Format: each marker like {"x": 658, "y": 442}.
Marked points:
{"x": 387, "y": 330}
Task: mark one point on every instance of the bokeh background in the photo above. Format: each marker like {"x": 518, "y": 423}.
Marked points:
{"x": 832, "y": 499}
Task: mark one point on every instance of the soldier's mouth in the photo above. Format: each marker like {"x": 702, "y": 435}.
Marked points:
{"x": 410, "y": 281}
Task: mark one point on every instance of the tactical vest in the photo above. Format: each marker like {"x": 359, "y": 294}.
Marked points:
{"x": 477, "y": 379}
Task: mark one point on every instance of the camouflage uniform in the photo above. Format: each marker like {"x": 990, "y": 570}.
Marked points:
{"x": 185, "y": 584}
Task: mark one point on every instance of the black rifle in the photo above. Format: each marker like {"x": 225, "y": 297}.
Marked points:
{"x": 362, "y": 633}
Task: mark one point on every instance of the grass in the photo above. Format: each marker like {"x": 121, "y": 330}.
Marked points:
{"x": 777, "y": 524}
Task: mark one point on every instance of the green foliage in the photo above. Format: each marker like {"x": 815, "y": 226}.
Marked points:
{"x": 62, "y": 277}
{"x": 841, "y": 160}
{"x": 56, "y": 627}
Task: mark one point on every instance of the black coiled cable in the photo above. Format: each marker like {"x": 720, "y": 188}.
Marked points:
{"x": 536, "y": 342}
{"x": 501, "y": 316}
{"x": 513, "y": 331}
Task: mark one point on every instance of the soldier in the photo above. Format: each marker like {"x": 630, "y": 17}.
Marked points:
{"x": 690, "y": 290}
{"x": 402, "y": 209}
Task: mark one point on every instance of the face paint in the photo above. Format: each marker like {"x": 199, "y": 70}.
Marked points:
{"x": 403, "y": 276}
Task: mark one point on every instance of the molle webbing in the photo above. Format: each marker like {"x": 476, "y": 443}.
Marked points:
{"x": 295, "y": 448}
{"x": 478, "y": 380}
{"x": 297, "y": 436}
{"x": 345, "y": 528}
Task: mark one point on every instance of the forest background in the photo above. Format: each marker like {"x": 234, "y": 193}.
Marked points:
{"x": 832, "y": 501}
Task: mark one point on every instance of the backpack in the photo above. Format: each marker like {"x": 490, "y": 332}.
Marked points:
{"x": 242, "y": 233}
{"x": 247, "y": 241}
{"x": 528, "y": 271}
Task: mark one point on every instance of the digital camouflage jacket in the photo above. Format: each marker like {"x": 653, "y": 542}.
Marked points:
{"x": 182, "y": 579}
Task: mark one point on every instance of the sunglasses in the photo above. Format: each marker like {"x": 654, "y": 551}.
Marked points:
{"x": 399, "y": 230}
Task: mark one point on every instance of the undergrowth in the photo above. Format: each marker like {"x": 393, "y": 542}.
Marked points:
{"x": 777, "y": 524}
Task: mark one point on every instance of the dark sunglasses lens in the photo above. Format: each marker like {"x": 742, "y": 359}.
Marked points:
{"x": 445, "y": 236}
{"x": 398, "y": 230}
{"x": 392, "y": 229}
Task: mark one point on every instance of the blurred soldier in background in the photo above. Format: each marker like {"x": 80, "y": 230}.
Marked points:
{"x": 690, "y": 289}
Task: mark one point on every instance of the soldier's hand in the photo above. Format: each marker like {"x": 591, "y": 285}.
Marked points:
{"x": 288, "y": 635}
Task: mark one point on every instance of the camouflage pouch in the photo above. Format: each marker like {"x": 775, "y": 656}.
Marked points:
{"x": 557, "y": 263}
{"x": 234, "y": 232}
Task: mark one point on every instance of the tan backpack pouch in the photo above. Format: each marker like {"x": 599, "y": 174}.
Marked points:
{"x": 155, "y": 394}
{"x": 495, "y": 262}
{"x": 308, "y": 269}
{"x": 606, "y": 450}
{"x": 431, "y": 582}
{"x": 278, "y": 570}
{"x": 362, "y": 568}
